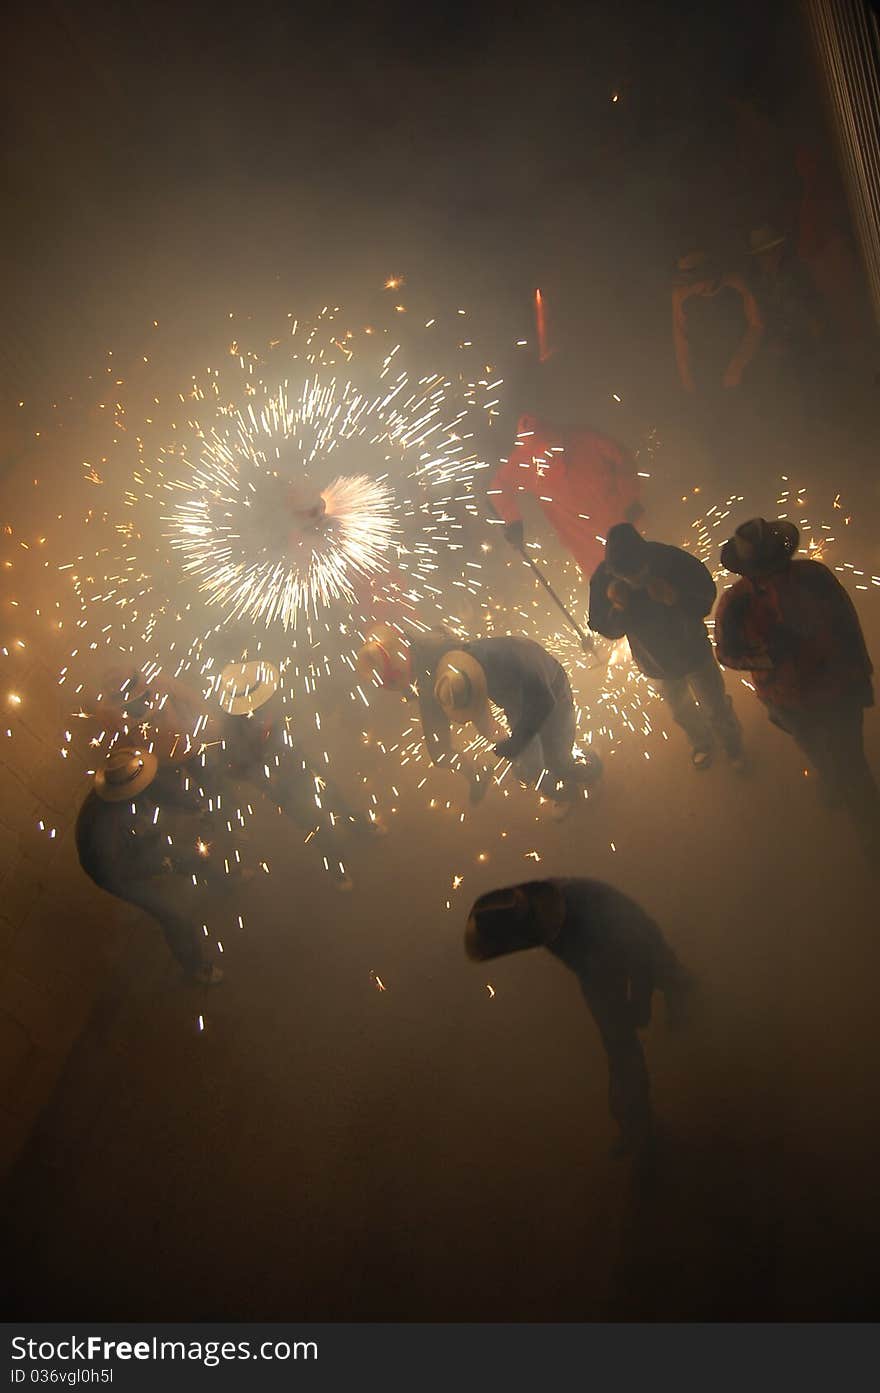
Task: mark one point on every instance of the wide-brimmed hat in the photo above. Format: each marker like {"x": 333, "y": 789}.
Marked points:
{"x": 513, "y": 919}
{"x": 764, "y": 239}
{"x": 125, "y": 775}
{"x": 461, "y": 690}
{"x": 245, "y": 687}
{"x": 759, "y": 546}
{"x": 385, "y": 655}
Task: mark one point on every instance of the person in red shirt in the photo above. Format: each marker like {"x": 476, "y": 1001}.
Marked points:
{"x": 585, "y": 483}
{"x": 793, "y": 627}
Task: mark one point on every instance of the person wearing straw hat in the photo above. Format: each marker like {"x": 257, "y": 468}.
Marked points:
{"x": 532, "y": 689}
{"x": 454, "y": 682}
{"x": 790, "y": 624}
{"x": 406, "y": 664}
{"x": 658, "y": 597}
{"x": 258, "y": 749}
{"x": 123, "y": 849}
{"x": 620, "y": 958}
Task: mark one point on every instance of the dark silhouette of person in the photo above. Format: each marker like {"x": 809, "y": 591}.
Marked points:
{"x": 619, "y": 957}
{"x": 124, "y": 851}
{"x": 790, "y": 624}
{"x": 658, "y": 596}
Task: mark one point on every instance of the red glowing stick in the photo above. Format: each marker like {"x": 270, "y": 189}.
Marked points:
{"x": 541, "y": 325}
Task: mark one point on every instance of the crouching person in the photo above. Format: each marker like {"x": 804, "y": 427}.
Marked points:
{"x": 619, "y": 957}
{"x": 122, "y": 848}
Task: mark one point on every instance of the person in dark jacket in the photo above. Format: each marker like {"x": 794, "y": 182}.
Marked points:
{"x": 123, "y": 849}
{"x": 455, "y": 681}
{"x": 792, "y": 626}
{"x": 658, "y": 596}
{"x": 619, "y": 957}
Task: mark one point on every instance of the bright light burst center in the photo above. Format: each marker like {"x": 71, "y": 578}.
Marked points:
{"x": 267, "y": 541}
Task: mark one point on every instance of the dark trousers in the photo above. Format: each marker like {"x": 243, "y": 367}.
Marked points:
{"x": 316, "y": 804}
{"x": 832, "y": 738}
{"x": 618, "y": 987}
{"x": 167, "y": 900}
{"x": 713, "y": 719}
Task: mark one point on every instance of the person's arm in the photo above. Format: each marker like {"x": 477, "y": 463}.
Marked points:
{"x": 841, "y": 617}
{"x": 691, "y": 584}
{"x": 680, "y": 339}
{"x": 537, "y": 703}
{"x": 604, "y": 619}
{"x": 748, "y": 346}
{"x": 169, "y": 791}
{"x": 732, "y": 645}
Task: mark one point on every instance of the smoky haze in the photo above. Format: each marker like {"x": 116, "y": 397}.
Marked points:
{"x": 370, "y": 1127}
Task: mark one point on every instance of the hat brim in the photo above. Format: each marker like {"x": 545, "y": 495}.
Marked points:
{"x": 478, "y": 710}
{"x": 482, "y": 946}
{"x": 234, "y": 676}
{"x": 123, "y": 793}
{"x": 243, "y": 705}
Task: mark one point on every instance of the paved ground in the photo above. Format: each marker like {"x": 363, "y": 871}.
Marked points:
{"x": 330, "y": 1150}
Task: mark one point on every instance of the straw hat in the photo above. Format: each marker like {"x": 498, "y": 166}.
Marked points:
{"x": 764, "y": 239}
{"x": 460, "y": 688}
{"x": 245, "y": 687}
{"x": 125, "y": 775}
{"x": 385, "y": 655}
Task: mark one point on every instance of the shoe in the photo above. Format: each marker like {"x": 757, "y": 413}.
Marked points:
{"x": 591, "y": 769}
{"x": 702, "y": 759}
{"x": 208, "y": 975}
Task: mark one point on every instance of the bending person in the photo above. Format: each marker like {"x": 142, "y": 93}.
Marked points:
{"x": 619, "y": 957}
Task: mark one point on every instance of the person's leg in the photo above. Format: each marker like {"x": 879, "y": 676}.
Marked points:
{"x": 565, "y": 774}
{"x": 852, "y": 777}
{"x": 186, "y": 940}
{"x": 809, "y": 731}
{"x": 629, "y": 1089}
{"x": 707, "y": 685}
{"x": 685, "y": 712}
